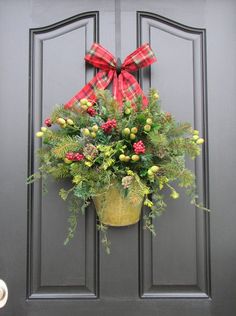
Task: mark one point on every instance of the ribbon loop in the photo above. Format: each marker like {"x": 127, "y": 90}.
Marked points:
{"x": 125, "y": 86}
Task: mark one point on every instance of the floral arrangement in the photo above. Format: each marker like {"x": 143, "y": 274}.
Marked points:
{"x": 98, "y": 145}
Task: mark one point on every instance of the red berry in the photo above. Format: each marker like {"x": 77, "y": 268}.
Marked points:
{"x": 74, "y": 156}
{"x": 78, "y": 156}
{"x": 48, "y": 122}
{"x": 139, "y": 147}
{"x": 108, "y": 126}
{"x": 91, "y": 111}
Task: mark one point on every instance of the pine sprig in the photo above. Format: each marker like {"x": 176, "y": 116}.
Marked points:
{"x": 66, "y": 144}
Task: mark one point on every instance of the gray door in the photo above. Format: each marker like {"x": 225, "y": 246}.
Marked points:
{"x": 189, "y": 268}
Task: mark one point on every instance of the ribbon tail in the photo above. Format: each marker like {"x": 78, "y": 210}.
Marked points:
{"x": 130, "y": 88}
{"x": 100, "y": 81}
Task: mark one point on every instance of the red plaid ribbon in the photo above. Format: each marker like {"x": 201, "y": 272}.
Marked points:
{"x": 125, "y": 86}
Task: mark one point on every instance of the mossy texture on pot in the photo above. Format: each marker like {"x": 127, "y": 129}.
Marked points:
{"x": 115, "y": 209}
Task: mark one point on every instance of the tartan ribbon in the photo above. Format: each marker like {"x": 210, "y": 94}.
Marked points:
{"x": 125, "y": 86}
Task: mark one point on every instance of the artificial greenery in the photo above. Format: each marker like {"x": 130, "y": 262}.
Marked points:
{"x": 93, "y": 144}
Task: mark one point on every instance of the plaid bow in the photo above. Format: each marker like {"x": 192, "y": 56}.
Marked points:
{"x": 125, "y": 86}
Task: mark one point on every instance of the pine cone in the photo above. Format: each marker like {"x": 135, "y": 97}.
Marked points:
{"x": 90, "y": 151}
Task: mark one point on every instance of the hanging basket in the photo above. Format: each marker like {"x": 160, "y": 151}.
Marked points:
{"x": 115, "y": 209}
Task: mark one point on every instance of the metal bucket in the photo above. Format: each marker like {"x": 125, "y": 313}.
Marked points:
{"x": 114, "y": 209}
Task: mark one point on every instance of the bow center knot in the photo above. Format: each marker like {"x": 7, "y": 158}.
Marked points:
{"x": 118, "y": 66}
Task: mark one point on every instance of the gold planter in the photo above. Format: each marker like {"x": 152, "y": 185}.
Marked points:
{"x": 113, "y": 209}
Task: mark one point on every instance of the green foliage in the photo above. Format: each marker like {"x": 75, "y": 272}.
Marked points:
{"x": 79, "y": 148}
{"x": 65, "y": 145}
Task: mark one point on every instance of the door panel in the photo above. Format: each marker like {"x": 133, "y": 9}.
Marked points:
{"x": 180, "y": 256}
{"x": 188, "y": 268}
{"x": 56, "y": 59}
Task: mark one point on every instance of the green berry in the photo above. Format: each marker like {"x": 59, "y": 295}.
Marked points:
{"x": 127, "y": 111}
{"x": 70, "y": 122}
{"x": 94, "y": 128}
{"x": 134, "y": 130}
{"x": 43, "y": 129}
{"x": 195, "y": 137}
{"x": 154, "y": 169}
{"x": 156, "y": 96}
{"x": 200, "y": 141}
{"x": 127, "y": 158}
{"x": 83, "y": 101}
{"x": 39, "y": 134}
{"x": 93, "y": 134}
{"x": 147, "y": 128}
{"x": 149, "y": 121}
{"x": 195, "y": 132}
{"x": 67, "y": 161}
{"x": 89, "y": 104}
{"x": 84, "y": 107}
{"x": 132, "y": 136}
{"x": 86, "y": 132}
{"x": 61, "y": 121}
{"x": 150, "y": 172}
{"x": 174, "y": 195}
{"x": 135, "y": 158}
{"x": 126, "y": 131}
{"x": 122, "y": 157}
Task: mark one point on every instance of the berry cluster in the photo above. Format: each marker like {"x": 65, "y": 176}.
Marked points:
{"x": 91, "y": 111}
{"x": 139, "y": 147}
{"x": 74, "y": 156}
{"x": 48, "y": 122}
{"x": 108, "y": 126}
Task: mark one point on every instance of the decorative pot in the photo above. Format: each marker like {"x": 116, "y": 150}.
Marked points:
{"x": 115, "y": 209}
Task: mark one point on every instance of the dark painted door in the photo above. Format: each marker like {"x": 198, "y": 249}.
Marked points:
{"x": 189, "y": 268}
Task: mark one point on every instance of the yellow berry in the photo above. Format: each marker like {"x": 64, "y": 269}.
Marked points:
{"x": 149, "y": 121}
{"x": 195, "y": 132}
{"x": 134, "y": 130}
{"x": 88, "y": 163}
{"x": 93, "y": 134}
{"x": 67, "y": 161}
{"x": 86, "y": 132}
{"x": 61, "y": 121}
{"x": 43, "y": 129}
{"x": 154, "y": 169}
{"x": 200, "y": 141}
{"x": 127, "y": 158}
{"x": 147, "y": 128}
{"x": 150, "y": 172}
{"x": 126, "y": 131}
{"x": 132, "y": 136}
{"x": 84, "y": 107}
{"x": 195, "y": 137}
{"x": 83, "y": 101}
{"x": 39, "y": 134}
{"x": 127, "y": 111}
{"x": 135, "y": 158}
{"x": 94, "y": 128}
{"x": 122, "y": 157}
{"x": 174, "y": 195}
{"x": 89, "y": 104}
{"x": 70, "y": 122}
{"x": 156, "y": 96}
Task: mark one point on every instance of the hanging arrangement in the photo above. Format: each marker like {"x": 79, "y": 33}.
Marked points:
{"x": 120, "y": 149}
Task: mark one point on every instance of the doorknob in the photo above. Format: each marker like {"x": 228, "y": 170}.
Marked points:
{"x": 3, "y": 293}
